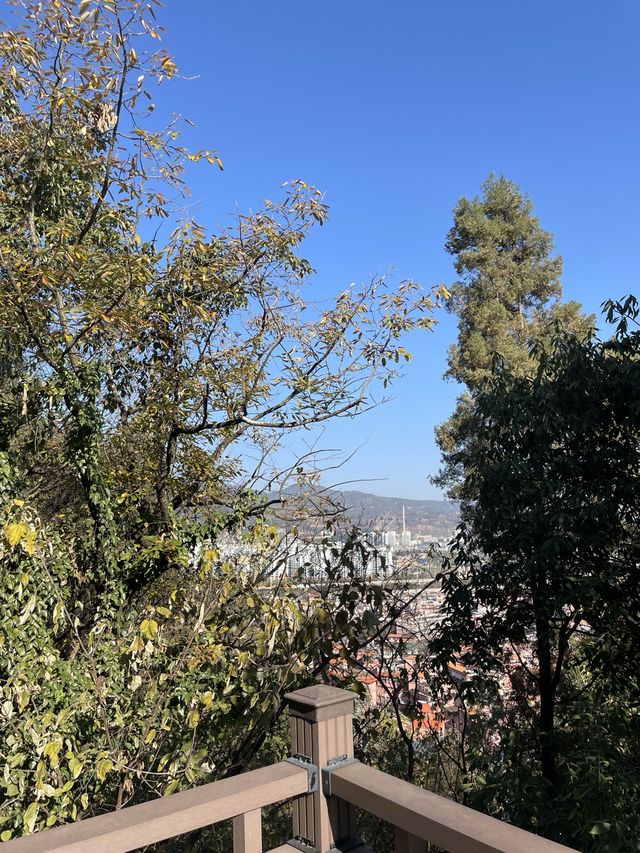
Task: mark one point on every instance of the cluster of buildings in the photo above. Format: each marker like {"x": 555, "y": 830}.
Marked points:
{"x": 385, "y": 552}
{"x": 310, "y": 561}
{"x": 394, "y": 672}
{"x": 395, "y": 675}
{"x": 308, "y": 557}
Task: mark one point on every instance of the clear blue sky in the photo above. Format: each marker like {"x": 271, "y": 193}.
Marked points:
{"x": 397, "y": 109}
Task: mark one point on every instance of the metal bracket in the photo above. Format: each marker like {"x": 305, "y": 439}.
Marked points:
{"x": 336, "y": 763}
{"x": 305, "y": 762}
{"x": 303, "y": 844}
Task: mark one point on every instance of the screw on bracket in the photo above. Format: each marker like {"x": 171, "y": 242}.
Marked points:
{"x": 307, "y": 764}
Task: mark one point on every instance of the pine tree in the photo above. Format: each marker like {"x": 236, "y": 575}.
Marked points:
{"x": 507, "y": 301}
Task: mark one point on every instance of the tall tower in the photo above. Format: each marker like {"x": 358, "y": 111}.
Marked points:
{"x": 405, "y": 536}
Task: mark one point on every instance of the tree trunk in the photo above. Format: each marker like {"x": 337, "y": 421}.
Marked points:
{"x": 547, "y": 705}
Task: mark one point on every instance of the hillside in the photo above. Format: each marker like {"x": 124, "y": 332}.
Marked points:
{"x": 428, "y": 517}
{"x": 437, "y": 518}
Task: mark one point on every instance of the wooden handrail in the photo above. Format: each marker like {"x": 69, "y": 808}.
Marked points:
{"x": 445, "y": 823}
{"x": 136, "y": 826}
{"x": 324, "y": 817}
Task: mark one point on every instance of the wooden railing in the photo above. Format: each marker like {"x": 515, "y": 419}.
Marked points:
{"x": 326, "y": 784}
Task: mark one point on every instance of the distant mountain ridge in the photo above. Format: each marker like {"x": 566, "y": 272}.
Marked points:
{"x": 376, "y": 512}
{"x": 434, "y": 517}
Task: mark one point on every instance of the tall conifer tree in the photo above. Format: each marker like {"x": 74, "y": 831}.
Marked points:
{"x": 506, "y": 299}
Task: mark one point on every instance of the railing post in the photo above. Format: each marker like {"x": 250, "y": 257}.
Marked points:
{"x": 321, "y": 730}
{"x": 407, "y": 843}
{"x": 247, "y": 832}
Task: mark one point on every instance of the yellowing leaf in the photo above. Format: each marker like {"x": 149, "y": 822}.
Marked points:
{"x": 149, "y": 628}
{"x": 15, "y": 532}
{"x": 29, "y": 608}
{"x": 29, "y": 543}
{"x": 168, "y": 65}
{"x": 52, "y": 750}
{"x": 29, "y": 818}
{"x": 193, "y": 718}
{"x": 75, "y": 766}
{"x": 137, "y": 644}
{"x": 103, "y": 767}
{"x": 58, "y": 612}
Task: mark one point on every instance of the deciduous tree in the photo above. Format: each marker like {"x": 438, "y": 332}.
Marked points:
{"x": 149, "y": 373}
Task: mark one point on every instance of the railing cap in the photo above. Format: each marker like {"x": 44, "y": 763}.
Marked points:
{"x": 320, "y": 702}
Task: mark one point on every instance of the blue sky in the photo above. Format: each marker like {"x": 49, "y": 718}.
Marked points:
{"x": 395, "y": 110}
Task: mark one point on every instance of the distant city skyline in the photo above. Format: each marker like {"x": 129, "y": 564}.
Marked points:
{"x": 396, "y": 117}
